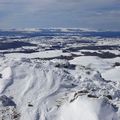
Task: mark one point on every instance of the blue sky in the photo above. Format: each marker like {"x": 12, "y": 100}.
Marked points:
{"x": 93, "y": 14}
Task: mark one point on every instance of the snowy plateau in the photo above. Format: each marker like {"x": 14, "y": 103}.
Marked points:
{"x": 59, "y": 74}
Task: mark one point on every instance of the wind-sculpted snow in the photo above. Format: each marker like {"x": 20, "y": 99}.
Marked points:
{"x": 39, "y": 88}
{"x": 89, "y": 109}
{"x": 33, "y": 84}
{"x": 5, "y": 78}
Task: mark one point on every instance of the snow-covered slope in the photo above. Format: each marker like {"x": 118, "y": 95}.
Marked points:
{"x": 5, "y": 79}
{"x": 44, "y": 54}
{"x": 38, "y": 88}
{"x": 84, "y": 108}
{"x": 112, "y": 74}
{"x": 91, "y": 62}
{"x": 59, "y": 77}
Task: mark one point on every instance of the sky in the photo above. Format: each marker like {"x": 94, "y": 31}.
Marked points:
{"x": 92, "y": 14}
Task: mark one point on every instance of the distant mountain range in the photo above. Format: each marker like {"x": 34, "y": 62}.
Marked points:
{"x": 58, "y": 32}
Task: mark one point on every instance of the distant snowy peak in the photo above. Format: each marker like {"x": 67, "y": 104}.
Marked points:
{"x": 72, "y": 29}
{"x": 51, "y": 30}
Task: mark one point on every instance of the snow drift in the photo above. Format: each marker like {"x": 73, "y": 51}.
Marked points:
{"x": 6, "y": 78}
{"x": 84, "y": 108}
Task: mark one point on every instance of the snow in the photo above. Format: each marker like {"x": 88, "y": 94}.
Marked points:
{"x": 59, "y": 83}
{"x": 64, "y": 30}
{"x": 84, "y": 108}
{"x": 41, "y": 85}
{"x": 30, "y": 30}
{"x": 42, "y": 54}
{"x": 113, "y": 60}
{"x": 6, "y": 78}
{"x": 33, "y": 83}
{"x": 112, "y": 74}
{"x": 91, "y": 62}
{"x": 116, "y": 52}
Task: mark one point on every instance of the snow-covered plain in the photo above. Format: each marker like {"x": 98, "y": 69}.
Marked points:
{"x": 59, "y": 77}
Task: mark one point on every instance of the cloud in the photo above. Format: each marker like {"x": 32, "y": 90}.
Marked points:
{"x": 62, "y": 13}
